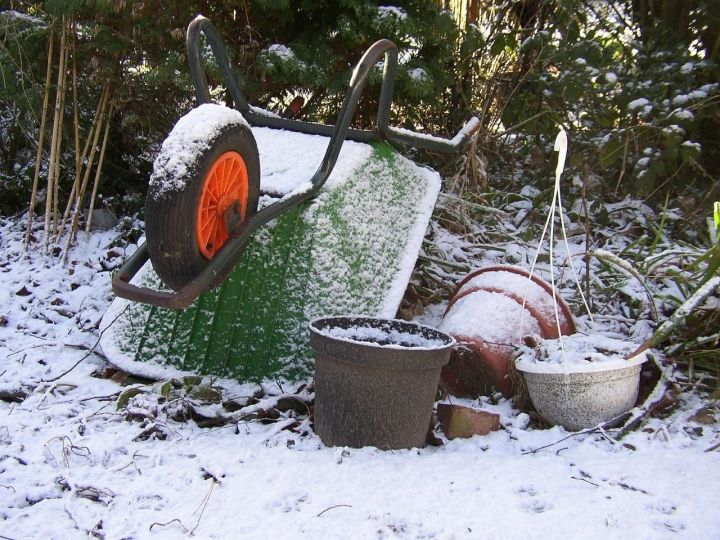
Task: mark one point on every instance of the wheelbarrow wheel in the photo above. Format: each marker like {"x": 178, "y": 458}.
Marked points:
{"x": 219, "y": 189}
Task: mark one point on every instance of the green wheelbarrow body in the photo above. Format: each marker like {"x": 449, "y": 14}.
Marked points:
{"x": 262, "y": 224}
{"x": 351, "y": 249}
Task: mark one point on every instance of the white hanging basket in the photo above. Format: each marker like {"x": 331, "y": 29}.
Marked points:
{"x": 580, "y": 397}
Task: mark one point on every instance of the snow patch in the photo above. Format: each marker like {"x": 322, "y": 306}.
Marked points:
{"x": 637, "y": 103}
{"x": 682, "y": 114}
{"x": 579, "y": 353}
{"x": 288, "y": 163}
{"x": 493, "y": 317}
{"x": 391, "y": 11}
{"x": 519, "y": 285}
{"x": 418, "y": 74}
{"x": 464, "y": 132}
{"x": 281, "y": 51}
{"x": 193, "y": 134}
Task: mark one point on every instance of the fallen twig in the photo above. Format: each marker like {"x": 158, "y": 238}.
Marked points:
{"x": 450, "y": 264}
{"x": 28, "y": 334}
{"x": 176, "y": 520}
{"x": 80, "y": 347}
{"x": 585, "y": 480}
{"x": 91, "y": 351}
{"x": 601, "y": 429}
{"x": 713, "y": 447}
{"x": 109, "y": 397}
{"x": 575, "y": 434}
{"x": 28, "y": 348}
{"x": 335, "y": 506}
{"x": 98, "y": 495}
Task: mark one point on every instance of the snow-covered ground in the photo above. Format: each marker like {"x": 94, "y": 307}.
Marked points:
{"x": 73, "y": 466}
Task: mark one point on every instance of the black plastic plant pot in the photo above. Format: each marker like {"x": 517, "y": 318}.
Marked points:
{"x": 375, "y": 380}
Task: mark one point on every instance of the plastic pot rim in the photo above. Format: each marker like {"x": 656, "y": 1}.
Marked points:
{"x": 541, "y": 368}
{"x": 449, "y": 340}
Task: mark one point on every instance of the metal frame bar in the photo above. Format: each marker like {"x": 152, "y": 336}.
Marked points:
{"x": 231, "y": 251}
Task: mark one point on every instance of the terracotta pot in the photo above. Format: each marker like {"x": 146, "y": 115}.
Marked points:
{"x": 487, "y": 337}
{"x": 513, "y": 281}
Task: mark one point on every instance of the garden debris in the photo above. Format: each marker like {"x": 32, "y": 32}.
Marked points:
{"x": 13, "y": 396}
{"x": 121, "y": 377}
{"x": 706, "y": 416}
{"x": 463, "y": 422}
{"x": 234, "y": 404}
{"x": 200, "y": 400}
{"x": 126, "y": 396}
{"x": 23, "y": 292}
{"x": 433, "y": 438}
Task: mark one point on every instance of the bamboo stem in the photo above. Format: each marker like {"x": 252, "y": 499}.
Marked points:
{"x": 78, "y": 173}
{"x": 53, "y": 142}
{"x": 76, "y": 120}
{"x": 98, "y": 170}
{"x": 41, "y": 137}
{"x": 86, "y": 177}
{"x": 58, "y": 154}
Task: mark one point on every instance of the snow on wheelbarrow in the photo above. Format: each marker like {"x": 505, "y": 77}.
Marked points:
{"x": 257, "y": 224}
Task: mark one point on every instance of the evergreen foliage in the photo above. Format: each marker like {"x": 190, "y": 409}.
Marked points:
{"x": 279, "y": 50}
{"x": 639, "y": 103}
{"x": 633, "y": 82}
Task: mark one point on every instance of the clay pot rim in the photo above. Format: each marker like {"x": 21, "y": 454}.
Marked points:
{"x": 548, "y": 327}
{"x": 519, "y": 270}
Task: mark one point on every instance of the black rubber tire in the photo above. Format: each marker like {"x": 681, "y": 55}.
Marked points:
{"x": 170, "y": 216}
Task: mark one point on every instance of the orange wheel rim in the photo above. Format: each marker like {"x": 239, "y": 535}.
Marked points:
{"x": 224, "y": 187}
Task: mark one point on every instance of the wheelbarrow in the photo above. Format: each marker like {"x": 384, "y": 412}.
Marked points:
{"x": 202, "y": 204}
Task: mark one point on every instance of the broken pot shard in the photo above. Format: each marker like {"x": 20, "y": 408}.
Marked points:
{"x": 463, "y": 422}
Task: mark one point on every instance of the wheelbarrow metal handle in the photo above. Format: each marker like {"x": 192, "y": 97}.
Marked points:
{"x": 230, "y": 253}
{"x": 383, "y": 131}
{"x": 225, "y": 259}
